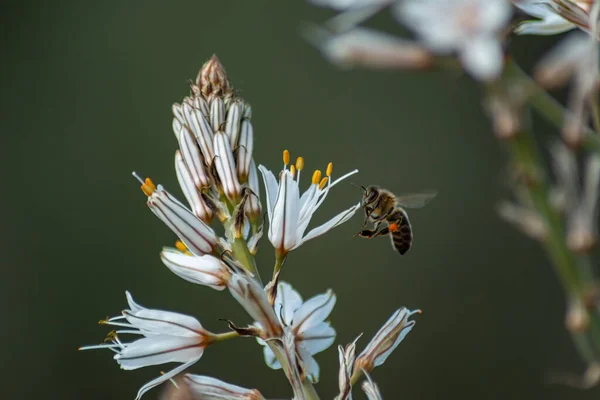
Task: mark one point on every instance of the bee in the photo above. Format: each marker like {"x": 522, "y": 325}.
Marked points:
{"x": 381, "y": 206}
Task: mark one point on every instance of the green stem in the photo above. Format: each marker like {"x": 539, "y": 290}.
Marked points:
{"x": 551, "y": 109}
{"x": 242, "y": 254}
{"x": 524, "y": 152}
{"x": 279, "y": 261}
{"x": 219, "y": 337}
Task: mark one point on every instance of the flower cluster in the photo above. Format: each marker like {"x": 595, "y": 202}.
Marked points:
{"x": 556, "y": 202}
{"x": 472, "y": 31}
{"x": 219, "y": 178}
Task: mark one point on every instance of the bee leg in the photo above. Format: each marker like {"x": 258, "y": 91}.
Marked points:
{"x": 366, "y": 233}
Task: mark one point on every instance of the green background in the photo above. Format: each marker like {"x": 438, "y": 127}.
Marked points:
{"x": 86, "y": 94}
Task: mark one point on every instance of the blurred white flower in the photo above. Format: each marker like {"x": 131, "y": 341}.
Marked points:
{"x": 370, "y": 388}
{"x": 306, "y": 320}
{"x": 361, "y": 47}
{"x": 471, "y": 28}
{"x": 350, "y": 4}
{"x": 289, "y": 213}
{"x": 575, "y": 58}
{"x": 167, "y": 337}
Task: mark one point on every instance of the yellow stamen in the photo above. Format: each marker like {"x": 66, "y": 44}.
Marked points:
{"x": 323, "y": 183}
{"x": 316, "y": 177}
{"x": 300, "y": 163}
{"x": 181, "y": 247}
{"x": 293, "y": 171}
{"x": 286, "y": 157}
{"x": 148, "y": 187}
{"x": 104, "y": 321}
{"x": 112, "y": 335}
{"x": 329, "y": 169}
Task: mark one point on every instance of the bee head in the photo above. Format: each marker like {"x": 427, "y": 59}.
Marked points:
{"x": 371, "y": 193}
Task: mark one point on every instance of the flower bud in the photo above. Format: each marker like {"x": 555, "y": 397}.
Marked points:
{"x": 386, "y": 340}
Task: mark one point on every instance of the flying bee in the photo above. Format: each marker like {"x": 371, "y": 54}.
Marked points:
{"x": 381, "y": 206}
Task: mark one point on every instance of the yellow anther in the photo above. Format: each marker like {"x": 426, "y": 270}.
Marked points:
{"x": 300, "y": 163}
{"x": 293, "y": 171}
{"x": 112, "y": 335}
{"x": 323, "y": 183}
{"x": 329, "y": 169}
{"x": 316, "y": 177}
{"x": 181, "y": 247}
{"x": 286, "y": 157}
{"x": 148, "y": 187}
{"x": 104, "y": 321}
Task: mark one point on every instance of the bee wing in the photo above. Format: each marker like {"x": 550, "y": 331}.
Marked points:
{"x": 416, "y": 200}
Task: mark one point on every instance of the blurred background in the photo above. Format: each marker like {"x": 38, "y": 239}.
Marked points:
{"x": 87, "y": 89}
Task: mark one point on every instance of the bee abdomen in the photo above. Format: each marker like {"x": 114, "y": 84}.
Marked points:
{"x": 402, "y": 237}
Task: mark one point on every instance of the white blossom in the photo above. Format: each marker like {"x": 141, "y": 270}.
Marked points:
{"x": 471, "y": 28}
{"x": 167, "y": 337}
{"x": 351, "y": 4}
{"x": 307, "y": 322}
{"x": 289, "y": 213}
{"x": 199, "y": 238}
{"x": 204, "y": 270}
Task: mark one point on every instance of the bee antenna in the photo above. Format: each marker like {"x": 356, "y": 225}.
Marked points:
{"x": 358, "y": 186}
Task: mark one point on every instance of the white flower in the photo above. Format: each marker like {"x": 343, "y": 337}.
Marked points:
{"x": 207, "y": 388}
{"x": 361, "y": 47}
{"x": 199, "y": 238}
{"x": 386, "y": 340}
{"x": 549, "y": 23}
{"x": 167, "y": 337}
{"x": 289, "y": 213}
{"x": 225, "y": 165}
{"x": 370, "y": 388}
{"x": 204, "y": 270}
{"x": 472, "y": 28}
{"x": 306, "y": 320}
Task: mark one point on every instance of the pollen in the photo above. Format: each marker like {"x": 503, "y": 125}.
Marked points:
{"x": 181, "y": 247}
{"x": 329, "y": 169}
{"x": 393, "y": 227}
{"x": 147, "y": 185}
{"x": 300, "y": 163}
{"x": 316, "y": 178}
{"x": 286, "y": 157}
{"x": 293, "y": 171}
{"x": 323, "y": 183}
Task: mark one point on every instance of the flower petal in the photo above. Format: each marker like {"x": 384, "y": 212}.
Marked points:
{"x": 270, "y": 358}
{"x": 204, "y": 270}
{"x": 271, "y": 188}
{"x": 332, "y": 223}
{"x": 282, "y": 229}
{"x": 163, "y": 378}
{"x": 158, "y": 322}
{"x": 313, "y": 311}
{"x": 311, "y": 367}
{"x": 482, "y": 57}
{"x": 287, "y": 302}
{"x": 159, "y": 349}
{"x": 318, "y": 338}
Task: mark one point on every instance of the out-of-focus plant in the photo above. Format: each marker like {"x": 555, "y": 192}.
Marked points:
{"x": 555, "y": 201}
{"x": 219, "y": 178}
